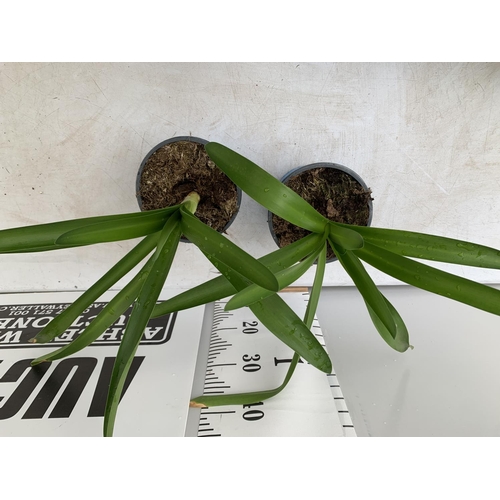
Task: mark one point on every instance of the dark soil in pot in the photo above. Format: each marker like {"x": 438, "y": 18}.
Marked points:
{"x": 178, "y": 166}
{"x": 334, "y": 191}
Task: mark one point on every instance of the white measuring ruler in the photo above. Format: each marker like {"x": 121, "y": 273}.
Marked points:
{"x": 241, "y": 355}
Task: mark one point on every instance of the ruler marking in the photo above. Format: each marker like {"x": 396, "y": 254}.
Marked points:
{"x": 216, "y": 412}
{"x": 221, "y": 342}
{"x": 216, "y": 352}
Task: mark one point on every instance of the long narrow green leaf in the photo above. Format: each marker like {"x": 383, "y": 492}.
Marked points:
{"x": 431, "y": 279}
{"x": 64, "y": 320}
{"x": 255, "y": 397}
{"x": 265, "y": 189}
{"x": 429, "y": 247}
{"x": 140, "y": 316}
{"x": 42, "y": 237}
{"x": 212, "y": 243}
{"x": 345, "y": 237}
{"x": 289, "y": 255}
{"x": 219, "y": 288}
{"x": 109, "y": 314}
{"x": 400, "y": 342}
{"x": 285, "y": 277}
{"x": 275, "y": 314}
{"x": 315, "y": 292}
{"x": 246, "y": 398}
{"x": 116, "y": 230}
{"x": 371, "y": 294}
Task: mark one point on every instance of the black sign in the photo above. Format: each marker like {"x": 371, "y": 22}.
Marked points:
{"x": 20, "y": 323}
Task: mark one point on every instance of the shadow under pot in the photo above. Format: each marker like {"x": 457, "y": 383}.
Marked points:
{"x": 176, "y": 167}
{"x": 335, "y": 191}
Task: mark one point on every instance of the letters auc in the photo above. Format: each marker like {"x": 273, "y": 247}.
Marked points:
{"x": 68, "y": 399}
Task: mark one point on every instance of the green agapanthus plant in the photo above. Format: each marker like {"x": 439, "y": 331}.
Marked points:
{"x": 162, "y": 230}
{"x": 251, "y": 282}
{"x": 391, "y": 251}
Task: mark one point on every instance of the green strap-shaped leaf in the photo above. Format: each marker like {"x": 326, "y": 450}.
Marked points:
{"x": 255, "y": 397}
{"x": 214, "y": 244}
{"x": 431, "y": 279}
{"x": 275, "y": 314}
{"x": 219, "y": 288}
{"x": 265, "y": 189}
{"x": 246, "y": 398}
{"x": 109, "y": 314}
{"x": 64, "y": 320}
{"x": 285, "y": 277}
{"x": 312, "y": 304}
{"x": 116, "y": 230}
{"x": 140, "y": 316}
{"x": 366, "y": 287}
{"x": 345, "y": 237}
{"x": 428, "y": 247}
{"x": 42, "y": 237}
{"x": 400, "y": 342}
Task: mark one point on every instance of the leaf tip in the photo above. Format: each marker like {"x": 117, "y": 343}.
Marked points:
{"x": 194, "y": 404}
{"x": 38, "y": 361}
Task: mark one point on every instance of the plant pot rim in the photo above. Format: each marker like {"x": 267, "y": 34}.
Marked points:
{"x": 180, "y": 138}
{"x": 312, "y": 166}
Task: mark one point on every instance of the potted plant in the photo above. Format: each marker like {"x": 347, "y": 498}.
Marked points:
{"x": 178, "y": 166}
{"x": 391, "y": 251}
{"x": 253, "y": 282}
{"x": 335, "y": 191}
{"x": 162, "y": 229}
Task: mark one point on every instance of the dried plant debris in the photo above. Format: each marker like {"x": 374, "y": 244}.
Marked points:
{"x": 176, "y": 169}
{"x": 333, "y": 193}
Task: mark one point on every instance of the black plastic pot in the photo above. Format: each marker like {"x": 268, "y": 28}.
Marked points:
{"x": 312, "y": 166}
{"x": 170, "y": 141}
